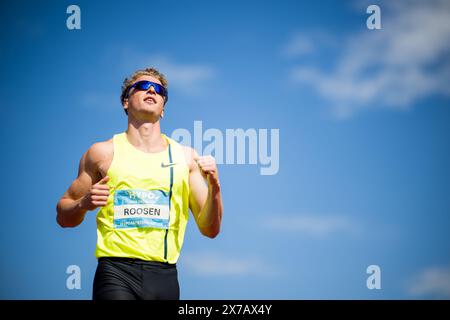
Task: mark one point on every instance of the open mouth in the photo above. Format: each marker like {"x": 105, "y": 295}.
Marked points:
{"x": 149, "y": 100}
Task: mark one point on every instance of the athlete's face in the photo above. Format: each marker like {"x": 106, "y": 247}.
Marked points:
{"x": 145, "y": 102}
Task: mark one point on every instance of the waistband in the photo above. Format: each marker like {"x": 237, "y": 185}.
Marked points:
{"x": 140, "y": 262}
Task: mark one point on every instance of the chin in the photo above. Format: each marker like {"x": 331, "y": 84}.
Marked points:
{"x": 149, "y": 109}
{"x": 147, "y": 115}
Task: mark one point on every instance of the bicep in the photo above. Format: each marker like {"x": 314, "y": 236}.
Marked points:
{"x": 86, "y": 177}
{"x": 198, "y": 191}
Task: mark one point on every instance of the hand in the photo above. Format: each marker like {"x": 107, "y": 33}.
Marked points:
{"x": 208, "y": 169}
{"x": 97, "y": 195}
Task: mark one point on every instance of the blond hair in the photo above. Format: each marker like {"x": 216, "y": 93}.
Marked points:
{"x": 143, "y": 72}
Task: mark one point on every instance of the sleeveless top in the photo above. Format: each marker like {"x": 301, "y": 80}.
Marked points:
{"x": 148, "y": 206}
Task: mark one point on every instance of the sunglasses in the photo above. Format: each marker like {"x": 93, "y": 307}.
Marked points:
{"x": 145, "y": 85}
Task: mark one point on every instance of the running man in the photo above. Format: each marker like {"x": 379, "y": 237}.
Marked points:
{"x": 145, "y": 184}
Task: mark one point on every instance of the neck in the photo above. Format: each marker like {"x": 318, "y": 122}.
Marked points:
{"x": 146, "y": 136}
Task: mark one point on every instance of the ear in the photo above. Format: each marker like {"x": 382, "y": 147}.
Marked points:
{"x": 125, "y": 104}
{"x": 162, "y": 113}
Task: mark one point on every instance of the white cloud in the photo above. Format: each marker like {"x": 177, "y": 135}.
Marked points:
{"x": 303, "y": 43}
{"x": 433, "y": 282}
{"x": 101, "y": 100}
{"x": 190, "y": 78}
{"x": 219, "y": 264}
{"x": 311, "y": 225}
{"x": 395, "y": 67}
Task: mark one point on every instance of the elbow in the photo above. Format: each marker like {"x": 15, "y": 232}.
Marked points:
{"x": 211, "y": 233}
{"x": 60, "y": 221}
{"x": 213, "y": 230}
{"x": 63, "y": 223}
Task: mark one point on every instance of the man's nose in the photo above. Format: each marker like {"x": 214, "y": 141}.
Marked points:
{"x": 151, "y": 90}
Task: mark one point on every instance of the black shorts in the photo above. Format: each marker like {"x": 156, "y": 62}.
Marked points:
{"x": 134, "y": 279}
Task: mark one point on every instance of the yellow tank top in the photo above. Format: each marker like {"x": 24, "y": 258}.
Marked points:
{"x": 148, "y": 207}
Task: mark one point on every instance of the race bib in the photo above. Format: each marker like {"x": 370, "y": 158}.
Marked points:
{"x": 141, "y": 209}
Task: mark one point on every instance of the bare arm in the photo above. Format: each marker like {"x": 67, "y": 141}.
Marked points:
{"x": 205, "y": 199}
{"x": 87, "y": 192}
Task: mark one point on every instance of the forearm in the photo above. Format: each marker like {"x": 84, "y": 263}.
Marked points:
{"x": 70, "y": 212}
{"x": 210, "y": 216}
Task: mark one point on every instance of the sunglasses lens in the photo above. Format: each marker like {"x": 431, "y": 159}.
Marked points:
{"x": 157, "y": 88}
{"x": 145, "y": 85}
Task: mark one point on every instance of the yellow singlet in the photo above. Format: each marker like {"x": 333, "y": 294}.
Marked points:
{"x": 148, "y": 207}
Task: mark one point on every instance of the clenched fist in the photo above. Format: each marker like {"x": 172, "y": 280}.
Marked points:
{"x": 97, "y": 195}
{"x": 208, "y": 168}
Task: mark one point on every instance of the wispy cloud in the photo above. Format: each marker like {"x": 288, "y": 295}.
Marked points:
{"x": 306, "y": 43}
{"x": 409, "y": 59}
{"x": 312, "y": 225}
{"x": 189, "y": 78}
{"x": 101, "y": 100}
{"x": 433, "y": 282}
{"x": 219, "y": 264}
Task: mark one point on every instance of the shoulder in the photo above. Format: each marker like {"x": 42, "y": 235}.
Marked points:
{"x": 190, "y": 154}
{"x": 99, "y": 153}
{"x": 97, "y": 157}
{"x": 100, "y": 150}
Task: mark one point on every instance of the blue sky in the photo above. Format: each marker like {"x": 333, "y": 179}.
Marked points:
{"x": 363, "y": 118}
